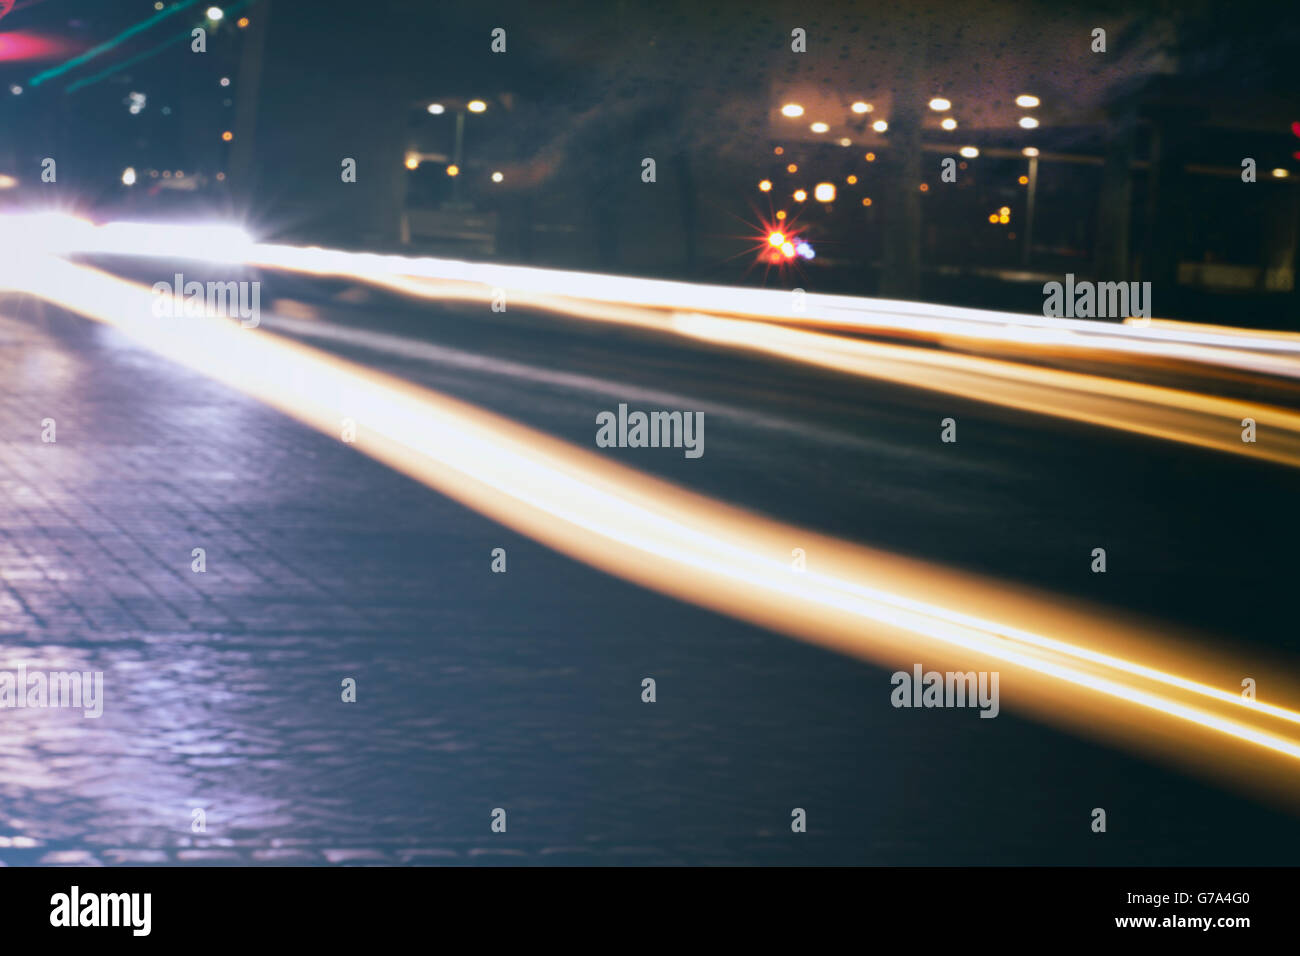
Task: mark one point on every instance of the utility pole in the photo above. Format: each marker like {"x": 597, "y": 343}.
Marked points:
{"x": 242, "y": 162}
{"x": 1029, "y": 211}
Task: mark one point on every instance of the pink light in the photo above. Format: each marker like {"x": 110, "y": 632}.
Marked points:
{"x": 21, "y": 45}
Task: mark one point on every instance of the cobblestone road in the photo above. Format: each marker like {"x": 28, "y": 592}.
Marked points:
{"x": 222, "y": 688}
{"x": 474, "y": 690}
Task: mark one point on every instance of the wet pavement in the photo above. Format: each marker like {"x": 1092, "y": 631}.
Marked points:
{"x": 475, "y": 691}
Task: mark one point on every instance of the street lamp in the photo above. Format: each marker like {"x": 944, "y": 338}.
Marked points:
{"x": 472, "y": 106}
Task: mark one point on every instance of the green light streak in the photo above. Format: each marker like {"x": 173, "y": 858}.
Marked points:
{"x": 96, "y": 77}
{"x": 107, "y": 45}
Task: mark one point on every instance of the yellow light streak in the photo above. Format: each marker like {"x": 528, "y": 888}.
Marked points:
{"x": 764, "y": 321}
{"x": 1067, "y": 664}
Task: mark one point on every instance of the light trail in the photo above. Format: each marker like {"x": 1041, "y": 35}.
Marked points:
{"x": 1153, "y": 410}
{"x": 1156, "y": 411}
{"x": 109, "y": 44}
{"x": 1220, "y": 344}
{"x": 183, "y": 37}
{"x": 762, "y": 321}
{"x": 1266, "y": 352}
{"x": 1065, "y": 664}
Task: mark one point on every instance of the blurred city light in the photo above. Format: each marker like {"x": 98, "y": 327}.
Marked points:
{"x": 880, "y": 126}
{"x": 819, "y": 127}
{"x": 824, "y": 192}
{"x": 804, "y": 250}
{"x": 498, "y": 177}
{"x": 215, "y": 14}
{"x": 412, "y": 161}
{"x": 437, "y": 109}
{"x": 1028, "y": 122}
{"x": 845, "y": 141}
{"x": 128, "y": 176}
{"x": 851, "y": 179}
{"x": 7, "y": 182}
{"x": 776, "y": 239}
{"x": 800, "y": 195}
{"x": 241, "y": 22}
{"x": 1027, "y": 101}
{"x": 453, "y": 170}
{"x": 861, "y": 107}
{"x": 866, "y": 200}
{"x": 227, "y": 136}
{"x": 765, "y": 185}
{"x": 792, "y": 168}
{"x": 1030, "y": 151}
{"x": 940, "y": 105}
{"x": 970, "y": 152}
{"x": 792, "y": 110}
{"x": 476, "y": 106}
{"x": 1281, "y": 173}
{"x": 948, "y": 123}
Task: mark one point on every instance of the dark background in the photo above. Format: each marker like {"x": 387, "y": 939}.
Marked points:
{"x": 1138, "y": 175}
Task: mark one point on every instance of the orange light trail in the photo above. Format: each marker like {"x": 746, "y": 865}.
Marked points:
{"x": 773, "y": 323}
{"x": 1066, "y": 664}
